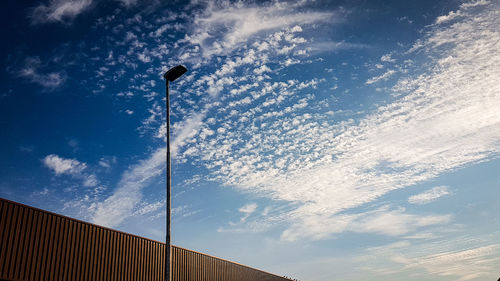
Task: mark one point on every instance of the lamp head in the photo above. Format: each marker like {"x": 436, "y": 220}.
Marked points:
{"x": 174, "y": 73}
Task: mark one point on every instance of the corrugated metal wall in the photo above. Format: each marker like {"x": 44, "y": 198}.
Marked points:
{"x": 36, "y": 245}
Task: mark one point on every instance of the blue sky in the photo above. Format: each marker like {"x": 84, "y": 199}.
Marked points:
{"x": 322, "y": 140}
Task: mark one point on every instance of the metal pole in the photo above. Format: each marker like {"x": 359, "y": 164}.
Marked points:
{"x": 168, "y": 253}
{"x": 169, "y": 76}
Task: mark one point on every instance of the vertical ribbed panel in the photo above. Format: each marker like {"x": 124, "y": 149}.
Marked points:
{"x": 37, "y": 245}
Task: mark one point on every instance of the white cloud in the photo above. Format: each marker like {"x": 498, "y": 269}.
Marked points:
{"x": 107, "y": 161}
{"x": 267, "y": 138}
{"x": 396, "y": 222}
{"x": 471, "y": 4}
{"x": 44, "y": 192}
{"x": 290, "y": 61}
{"x": 159, "y": 32}
{"x": 120, "y": 205}
{"x": 387, "y": 58}
{"x": 104, "y": 163}
{"x": 72, "y": 167}
{"x": 266, "y": 210}
{"x": 247, "y": 209}
{"x": 262, "y": 69}
{"x": 429, "y": 195}
{"x": 62, "y": 166}
{"x": 49, "y": 81}
{"x": 144, "y": 58}
{"x": 381, "y": 221}
{"x": 445, "y": 116}
{"x": 462, "y": 258}
{"x": 149, "y": 208}
{"x": 90, "y": 180}
{"x": 184, "y": 211}
{"x": 241, "y": 22}
{"x": 185, "y": 131}
{"x": 331, "y": 46}
{"x": 59, "y": 10}
{"x": 452, "y": 15}
{"x": 128, "y": 3}
{"x": 246, "y": 227}
{"x": 81, "y": 206}
{"x": 384, "y": 77}
{"x": 156, "y": 116}
{"x": 466, "y": 264}
{"x": 317, "y": 226}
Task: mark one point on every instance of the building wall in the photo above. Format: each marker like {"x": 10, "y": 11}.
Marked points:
{"x": 37, "y": 245}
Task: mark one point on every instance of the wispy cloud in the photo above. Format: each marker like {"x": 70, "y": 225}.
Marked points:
{"x": 186, "y": 130}
{"x": 383, "y": 77}
{"x": 31, "y": 71}
{"x": 247, "y": 210}
{"x": 471, "y": 4}
{"x": 384, "y": 221}
{"x": 107, "y": 161}
{"x": 464, "y": 258}
{"x": 128, "y": 3}
{"x": 446, "y": 18}
{"x": 128, "y": 194}
{"x": 240, "y": 22}
{"x": 266, "y": 135}
{"x": 43, "y": 192}
{"x": 148, "y": 208}
{"x": 429, "y": 195}
{"x": 275, "y": 146}
{"x": 387, "y": 58}
{"x": 396, "y": 222}
{"x": 331, "y": 46}
{"x": 59, "y": 11}
{"x": 466, "y": 264}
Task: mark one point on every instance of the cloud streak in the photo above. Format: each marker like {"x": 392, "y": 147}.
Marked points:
{"x": 268, "y": 134}
{"x": 247, "y": 209}
{"x": 464, "y": 258}
{"x": 63, "y": 11}
{"x": 444, "y": 119}
{"x": 49, "y": 81}
{"x": 240, "y": 23}
{"x": 128, "y": 194}
{"x": 429, "y": 196}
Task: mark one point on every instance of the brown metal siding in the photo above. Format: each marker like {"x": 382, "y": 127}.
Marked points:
{"x": 37, "y": 245}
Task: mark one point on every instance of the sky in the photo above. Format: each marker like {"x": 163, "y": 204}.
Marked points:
{"x": 321, "y": 140}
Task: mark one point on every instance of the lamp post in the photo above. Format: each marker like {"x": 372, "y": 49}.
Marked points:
{"x": 170, "y": 76}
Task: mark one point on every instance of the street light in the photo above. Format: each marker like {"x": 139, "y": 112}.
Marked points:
{"x": 170, "y": 76}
